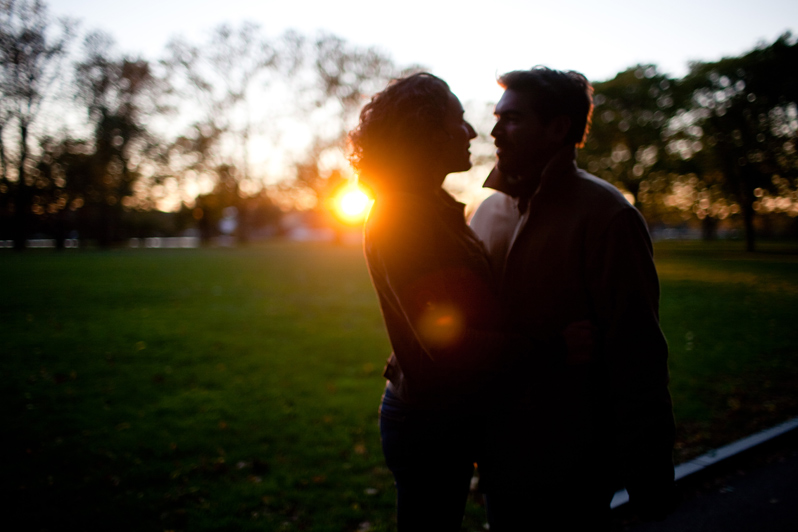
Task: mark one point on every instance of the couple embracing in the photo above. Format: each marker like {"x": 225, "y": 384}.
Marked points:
{"x": 527, "y": 343}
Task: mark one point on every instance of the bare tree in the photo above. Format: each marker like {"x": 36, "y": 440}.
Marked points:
{"x": 32, "y": 50}
{"x": 220, "y": 77}
{"x": 120, "y": 94}
{"x": 224, "y": 79}
{"x": 346, "y": 75}
{"x": 339, "y": 79}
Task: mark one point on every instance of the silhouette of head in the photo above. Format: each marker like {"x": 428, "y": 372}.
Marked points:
{"x": 415, "y": 124}
{"x": 552, "y": 93}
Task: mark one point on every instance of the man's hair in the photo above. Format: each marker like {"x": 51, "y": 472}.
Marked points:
{"x": 395, "y": 126}
{"x": 555, "y": 93}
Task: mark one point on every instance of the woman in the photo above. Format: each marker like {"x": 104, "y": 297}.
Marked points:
{"x": 434, "y": 285}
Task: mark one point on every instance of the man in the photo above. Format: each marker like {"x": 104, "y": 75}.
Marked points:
{"x": 568, "y": 247}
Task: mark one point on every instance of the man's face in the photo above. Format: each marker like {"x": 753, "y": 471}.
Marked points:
{"x": 523, "y": 145}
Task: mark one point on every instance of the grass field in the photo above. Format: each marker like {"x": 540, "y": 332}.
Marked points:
{"x": 237, "y": 389}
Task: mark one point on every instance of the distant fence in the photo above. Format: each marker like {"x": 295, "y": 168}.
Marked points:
{"x": 165, "y": 242}
{"x": 150, "y": 243}
{"x": 41, "y": 243}
{"x": 351, "y": 237}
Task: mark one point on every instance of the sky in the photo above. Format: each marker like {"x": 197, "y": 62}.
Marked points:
{"x": 467, "y": 42}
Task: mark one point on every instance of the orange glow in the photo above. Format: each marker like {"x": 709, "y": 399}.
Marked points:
{"x": 352, "y": 204}
{"x": 441, "y": 325}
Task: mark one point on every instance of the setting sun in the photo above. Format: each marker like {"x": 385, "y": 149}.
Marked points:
{"x": 352, "y": 204}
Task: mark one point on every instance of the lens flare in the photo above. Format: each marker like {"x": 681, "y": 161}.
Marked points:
{"x": 441, "y": 325}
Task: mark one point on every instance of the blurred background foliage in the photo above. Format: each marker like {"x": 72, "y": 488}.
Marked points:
{"x": 717, "y": 146}
{"x": 94, "y": 143}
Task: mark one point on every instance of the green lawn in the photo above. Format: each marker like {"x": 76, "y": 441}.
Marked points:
{"x": 731, "y": 319}
{"x": 237, "y": 389}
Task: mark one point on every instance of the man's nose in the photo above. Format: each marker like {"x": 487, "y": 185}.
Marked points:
{"x": 496, "y": 131}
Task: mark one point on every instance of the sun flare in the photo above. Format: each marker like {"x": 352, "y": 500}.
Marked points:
{"x": 352, "y": 204}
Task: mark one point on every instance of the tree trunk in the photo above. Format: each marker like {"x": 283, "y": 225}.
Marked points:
{"x": 747, "y": 206}
{"x": 108, "y": 224}
{"x": 3, "y": 160}
{"x": 24, "y": 195}
{"x": 709, "y": 229}
{"x": 5, "y": 194}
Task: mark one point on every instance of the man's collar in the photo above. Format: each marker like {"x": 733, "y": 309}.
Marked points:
{"x": 510, "y": 185}
{"x": 564, "y": 161}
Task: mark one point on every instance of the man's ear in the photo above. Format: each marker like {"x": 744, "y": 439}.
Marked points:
{"x": 557, "y": 129}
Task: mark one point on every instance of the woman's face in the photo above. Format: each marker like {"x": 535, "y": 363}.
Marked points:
{"x": 452, "y": 153}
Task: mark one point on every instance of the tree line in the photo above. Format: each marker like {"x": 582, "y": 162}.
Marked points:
{"x": 97, "y": 143}
{"x": 718, "y": 144}
{"x": 134, "y": 133}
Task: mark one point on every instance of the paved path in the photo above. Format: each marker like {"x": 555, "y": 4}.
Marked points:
{"x": 755, "y": 492}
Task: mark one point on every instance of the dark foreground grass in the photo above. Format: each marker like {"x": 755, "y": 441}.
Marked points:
{"x": 238, "y": 389}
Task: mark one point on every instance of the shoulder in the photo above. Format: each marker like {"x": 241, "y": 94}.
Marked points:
{"x": 410, "y": 224}
{"x": 600, "y": 200}
{"x": 399, "y": 211}
{"x": 600, "y": 191}
{"x": 497, "y": 209}
{"x": 612, "y": 224}
{"x": 396, "y": 224}
{"x": 498, "y": 202}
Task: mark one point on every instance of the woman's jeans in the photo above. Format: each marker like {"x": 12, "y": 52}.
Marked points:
{"x": 431, "y": 454}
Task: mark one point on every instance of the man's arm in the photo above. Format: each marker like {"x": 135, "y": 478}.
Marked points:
{"x": 625, "y": 291}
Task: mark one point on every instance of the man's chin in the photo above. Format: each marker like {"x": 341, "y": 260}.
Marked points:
{"x": 505, "y": 167}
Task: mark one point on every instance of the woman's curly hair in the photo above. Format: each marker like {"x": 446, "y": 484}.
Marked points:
{"x": 395, "y": 127}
